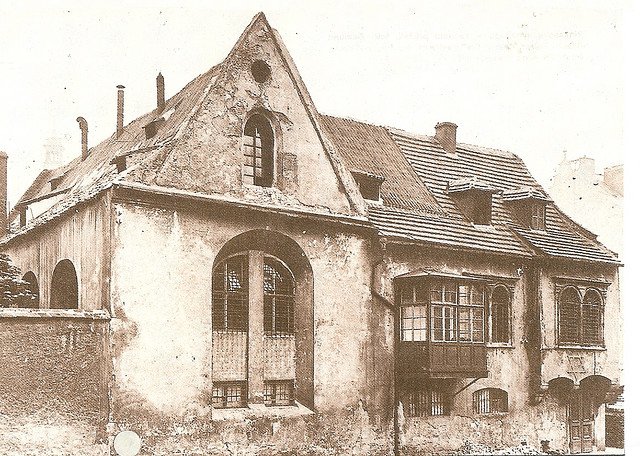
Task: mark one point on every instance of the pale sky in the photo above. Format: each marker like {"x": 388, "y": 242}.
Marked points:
{"x": 535, "y": 78}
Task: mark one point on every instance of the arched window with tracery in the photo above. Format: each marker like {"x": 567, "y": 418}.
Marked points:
{"x": 32, "y": 285}
{"x": 64, "y": 286}
{"x": 258, "y": 145}
{"x": 501, "y": 315}
{"x": 279, "y": 289}
{"x": 569, "y": 316}
{"x": 231, "y": 294}
{"x": 592, "y": 312}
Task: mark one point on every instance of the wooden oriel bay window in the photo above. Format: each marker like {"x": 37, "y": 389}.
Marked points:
{"x": 442, "y": 325}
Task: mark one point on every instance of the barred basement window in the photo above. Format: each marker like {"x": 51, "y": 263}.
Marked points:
{"x": 231, "y": 294}
{"x": 501, "y": 315}
{"x": 427, "y": 400}
{"x": 278, "y": 392}
{"x": 257, "y": 145}
{"x": 229, "y": 394}
{"x": 278, "y": 288}
{"x": 490, "y": 400}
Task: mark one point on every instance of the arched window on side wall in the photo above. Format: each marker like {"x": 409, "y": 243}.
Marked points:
{"x": 257, "y": 147}
{"x": 32, "y": 285}
{"x": 501, "y": 315}
{"x": 592, "y": 311}
{"x": 64, "y": 286}
{"x": 569, "y": 316}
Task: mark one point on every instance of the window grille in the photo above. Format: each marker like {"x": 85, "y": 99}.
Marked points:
{"x": 278, "y": 286}
{"x": 229, "y": 394}
{"x": 501, "y": 315}
{"x": 490, "y": 400}
{"x": 278, "y": 392}
{"x": 231, "y": 295}
{"x": 258, "y": 152}
{"x": 431, "y": 399}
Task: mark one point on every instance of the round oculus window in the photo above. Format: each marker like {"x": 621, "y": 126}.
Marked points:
{"x": 260, "y": 71}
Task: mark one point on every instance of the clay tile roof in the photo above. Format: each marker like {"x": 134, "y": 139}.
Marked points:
{"x": 375, "y": 150}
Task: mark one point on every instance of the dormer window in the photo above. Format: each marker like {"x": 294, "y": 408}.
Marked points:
{"x": 528, "y": 205}
{"x": 474, "y": 199}
{"x": 152, "y": 127}
{"x": 537, "y": 215}
{"x": 368, "y": 184}
{"x": 257, "y": 146}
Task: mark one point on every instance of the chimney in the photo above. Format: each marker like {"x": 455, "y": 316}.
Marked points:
{"x": 446, "y": 136}
{"x": 3, "y": 194}
{"x": 160, "y": 92}
{"x": 84, "y": 131}
{"x": 120, "y": 113}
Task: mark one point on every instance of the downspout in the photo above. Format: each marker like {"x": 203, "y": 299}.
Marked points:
{"x": 376, "y": 291}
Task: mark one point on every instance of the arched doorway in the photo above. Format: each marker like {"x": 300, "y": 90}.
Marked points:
{"x": 64, "y": 286}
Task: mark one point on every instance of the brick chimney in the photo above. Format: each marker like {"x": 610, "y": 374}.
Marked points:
{"x": 160, "y": 92}
{"x": 446, "y": 136}
{"x": 3, "y": 194}
{"x": 120, "y": 112}
{"x": 84, "y": 132}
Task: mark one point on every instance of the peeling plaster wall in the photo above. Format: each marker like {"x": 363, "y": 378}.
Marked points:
{"x": 510, "y": 368}
{"x": 578, "y": 364}
{"x": 209, "y": 157}
{"x": 162, "y": 266}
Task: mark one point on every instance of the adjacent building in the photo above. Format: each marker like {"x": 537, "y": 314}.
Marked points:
{"x": 234, "y": 271}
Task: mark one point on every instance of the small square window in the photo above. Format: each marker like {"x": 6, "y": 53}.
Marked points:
{"x": 229, "y": 394}
{"x": 278, "y": 392}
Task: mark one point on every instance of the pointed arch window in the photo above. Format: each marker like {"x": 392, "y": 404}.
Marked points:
{"x": 257, "y": 145}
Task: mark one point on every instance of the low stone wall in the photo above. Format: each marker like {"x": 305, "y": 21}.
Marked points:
{"x": 53, "y": 378}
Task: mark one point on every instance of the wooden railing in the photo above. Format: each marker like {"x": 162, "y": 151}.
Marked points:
{"x": 442, "y": 359}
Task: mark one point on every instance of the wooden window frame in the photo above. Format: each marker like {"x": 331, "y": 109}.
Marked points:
{"x": 231, "y": 301}
{"x": 278, "y": 393}
{"x": 580, "y": 338}
{"x": 221, "y": 394}
{"x": 258, "y": 148}
{"x": 538, "y": 215}
{"x": 500, "y": 323}
{"x": 278, "y": 306}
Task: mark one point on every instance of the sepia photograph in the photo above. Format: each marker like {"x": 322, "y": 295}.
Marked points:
{"x": 324, "y": 228}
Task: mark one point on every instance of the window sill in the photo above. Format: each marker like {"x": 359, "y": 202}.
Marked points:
{"x": 54, "y": 313}
{"x": 493, "y": 414}
{"x": 261, "y": 410}
{"x": 500, "y": 345}
{"x": 580, "y": 347}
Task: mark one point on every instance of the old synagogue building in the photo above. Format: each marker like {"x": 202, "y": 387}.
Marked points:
{"x": 236, "y": 273}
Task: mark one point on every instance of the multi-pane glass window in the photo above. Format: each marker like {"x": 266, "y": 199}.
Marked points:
{"x": 501, "y": 315}
{"x": 229, "y": 394}
{"x": 257, "y": 146}
{"x": 413, "y": 314}
{"x": 278, "y": 392}
{"x": 580, "y": 320}
{"x": 426, "y": 400}
{"x": 446, "y": 310}
{"x": 231, "y": 294}
{"x": 490, "y": 400}
{"x": 278, "y": 286}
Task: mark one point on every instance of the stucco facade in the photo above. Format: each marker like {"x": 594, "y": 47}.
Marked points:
{"x": 236, "y": 273}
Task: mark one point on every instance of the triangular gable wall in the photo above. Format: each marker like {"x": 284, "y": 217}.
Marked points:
{"x": 208, "y": 157}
